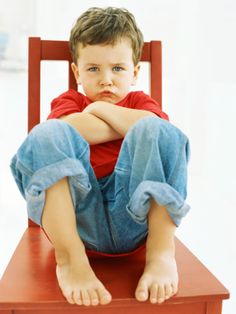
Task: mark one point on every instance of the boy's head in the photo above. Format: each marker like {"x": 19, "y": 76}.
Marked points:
{"x": 106, "y": 26}
{"x": 106, "y": 46}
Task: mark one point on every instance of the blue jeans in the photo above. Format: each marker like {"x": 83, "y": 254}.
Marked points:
{"x": 111, "y": 212}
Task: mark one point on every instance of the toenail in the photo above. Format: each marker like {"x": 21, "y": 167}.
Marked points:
{"x": 94, "y": 302}
{"x": 107, "y": 297}
{"x": 86, "y": 302}
{"x": 142, "y": 295}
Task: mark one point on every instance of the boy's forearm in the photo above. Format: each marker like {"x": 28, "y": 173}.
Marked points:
{"x": 119, "y": 118}
{"x": 93, "y": 129}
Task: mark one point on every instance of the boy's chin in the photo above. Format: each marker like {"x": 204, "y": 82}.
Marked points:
{"x": 110, "y": 99}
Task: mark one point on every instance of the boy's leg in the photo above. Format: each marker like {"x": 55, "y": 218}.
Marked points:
{"x": 76, "y": 278}
{"x": 54, "y": 175}
{"x": 152, "y": 177}
{"x": 160, "y": 278}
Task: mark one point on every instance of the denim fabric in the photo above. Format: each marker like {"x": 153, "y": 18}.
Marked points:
{"x": 111, "y": 212}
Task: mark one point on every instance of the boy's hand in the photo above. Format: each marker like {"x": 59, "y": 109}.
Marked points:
{"x": 118, "y": 118}
{"x": 93, "y": 129}
{"x": 96, "y": 105}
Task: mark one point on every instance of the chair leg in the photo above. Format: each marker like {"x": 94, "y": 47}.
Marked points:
{"x": 214, "y": 307}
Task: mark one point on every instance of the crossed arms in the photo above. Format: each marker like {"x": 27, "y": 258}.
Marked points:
{"x": 102, "y": 122}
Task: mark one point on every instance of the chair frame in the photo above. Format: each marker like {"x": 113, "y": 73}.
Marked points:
{"x": 29, "y": 283}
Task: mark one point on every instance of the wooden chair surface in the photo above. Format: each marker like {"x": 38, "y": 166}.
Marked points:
{"x": 29, "y": 283}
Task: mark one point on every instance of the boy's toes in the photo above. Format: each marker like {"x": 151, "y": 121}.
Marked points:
{"x": 68, "y": 294}
{"x": 161, "y": 294}
{"x": 153, "y": 293}
{"x": 77, "y": 298}
{"x": 85, "y": 298}
{"x": 93, "y": 297}
{"x": 104, "y": 296}
{"x": 141, "y": 292}
{"x": 174, "y": 288}
{"x": 168, "y": 291}
{"x": 141, "y": 295}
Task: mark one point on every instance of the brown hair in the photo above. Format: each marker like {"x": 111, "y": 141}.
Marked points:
{"x": 106, "y": 26}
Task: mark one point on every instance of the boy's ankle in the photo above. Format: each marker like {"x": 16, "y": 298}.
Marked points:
{"x": 68, "y": 255}
{"x": 62, "y": 257}
{"x": 155, "y": 252}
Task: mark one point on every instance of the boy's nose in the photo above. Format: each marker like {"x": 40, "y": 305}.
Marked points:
{"x": 106, "y": 80}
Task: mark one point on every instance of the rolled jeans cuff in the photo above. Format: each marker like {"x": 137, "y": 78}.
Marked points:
{"x": 163, "y": 194}
{"x": 45, "y": 177}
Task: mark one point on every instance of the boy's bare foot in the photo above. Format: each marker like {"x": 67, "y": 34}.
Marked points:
{"x": 80, "y": 285}
{"x": 159, "y": 280}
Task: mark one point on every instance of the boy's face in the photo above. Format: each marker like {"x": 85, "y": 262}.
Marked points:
{"x": 106, "y": 72}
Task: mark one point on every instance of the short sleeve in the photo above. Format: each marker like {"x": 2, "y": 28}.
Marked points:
{"x": 142, "y": 101}
{"x": 67, "y": 103}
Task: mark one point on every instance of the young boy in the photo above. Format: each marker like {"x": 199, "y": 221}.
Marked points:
{"x": 106, "y": 172}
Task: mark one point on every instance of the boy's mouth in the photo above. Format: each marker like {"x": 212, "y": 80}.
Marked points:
{"x": 106, "y": 93}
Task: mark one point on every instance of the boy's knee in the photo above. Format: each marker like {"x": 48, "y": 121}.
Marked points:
{"x": 44, "y": 135}
{"x": 55, "y": 133}
{"x": 157, "y": 128}
{"x": 152, "y": 132}
{"x": 52, "y": 141}
{"x": 148, "y": 122}
{"x": 47, "y": 129}
{"x": 148, "y": 128}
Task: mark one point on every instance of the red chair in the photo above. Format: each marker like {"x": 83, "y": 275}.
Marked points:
{"x": 29, "y": 284}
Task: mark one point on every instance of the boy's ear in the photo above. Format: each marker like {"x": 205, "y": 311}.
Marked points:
{"x": 76, "y": 72}
{"x": 136, "y": 71}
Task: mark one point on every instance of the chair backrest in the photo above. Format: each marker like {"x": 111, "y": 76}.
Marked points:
{"x": 40, "y": 50}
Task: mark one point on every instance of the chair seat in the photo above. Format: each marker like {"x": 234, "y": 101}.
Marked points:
{"x": 29, "y": 284}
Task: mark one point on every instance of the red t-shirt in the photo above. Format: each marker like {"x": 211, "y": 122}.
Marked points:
{"x": 103, "y": 156}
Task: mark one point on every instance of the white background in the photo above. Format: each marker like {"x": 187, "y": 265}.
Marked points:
{"x": 199, "y": 86}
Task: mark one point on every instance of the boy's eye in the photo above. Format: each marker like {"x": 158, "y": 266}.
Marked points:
{"x": 117, "y": 68}
{"x": 93, "y": 69}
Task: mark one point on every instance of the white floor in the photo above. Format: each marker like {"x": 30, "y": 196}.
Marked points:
{"x": 208, "y": 230}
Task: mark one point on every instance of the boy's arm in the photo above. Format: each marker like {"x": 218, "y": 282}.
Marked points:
{"x": 119, "y": 118}
{"x": 93, "y": 129}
